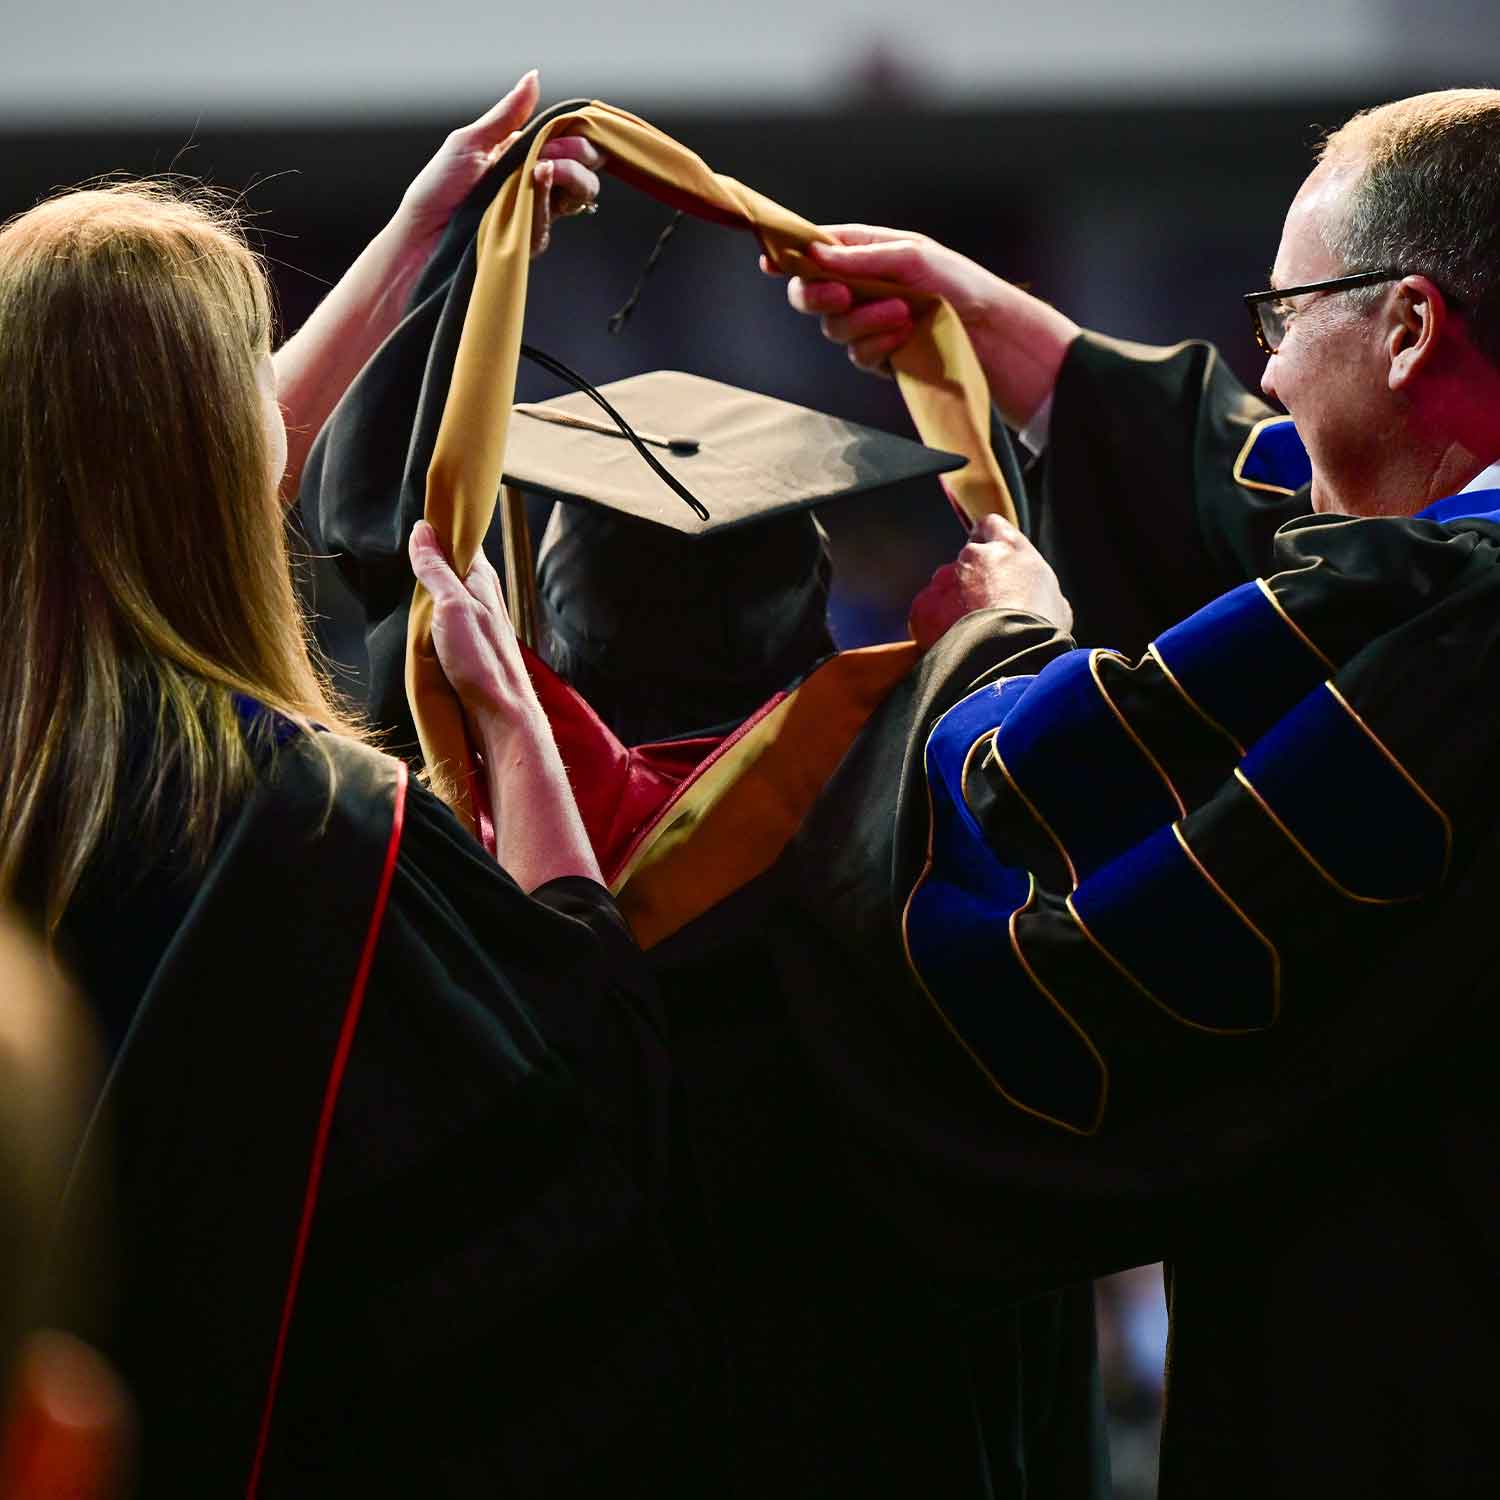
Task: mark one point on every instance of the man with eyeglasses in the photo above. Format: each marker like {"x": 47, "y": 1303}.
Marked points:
{"x": 1208, "y": 924}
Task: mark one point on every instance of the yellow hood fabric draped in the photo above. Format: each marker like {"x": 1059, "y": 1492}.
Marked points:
{"x": 938, "y": 372}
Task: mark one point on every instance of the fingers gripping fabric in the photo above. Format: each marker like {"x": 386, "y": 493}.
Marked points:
{"x": 938, "y": 372}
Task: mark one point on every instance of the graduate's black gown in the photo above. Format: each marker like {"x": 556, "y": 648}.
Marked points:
{"x": 406, "y": 1234}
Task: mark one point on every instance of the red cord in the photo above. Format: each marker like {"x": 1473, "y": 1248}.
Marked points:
{"x": 325, "y": 1125}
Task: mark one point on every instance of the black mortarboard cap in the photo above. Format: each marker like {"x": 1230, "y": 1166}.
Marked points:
{"x": 666, "y": 622}
{"x": 745, "y": 456}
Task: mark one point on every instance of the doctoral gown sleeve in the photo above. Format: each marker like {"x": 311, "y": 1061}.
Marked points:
{"x": 1136, "y": 501}
{"x": 1146, "y": 918}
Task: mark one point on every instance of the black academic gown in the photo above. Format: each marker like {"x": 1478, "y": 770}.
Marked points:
{"x": 851, "y": 1357}
{"x": 1324, "y": 1188}
{"x": 846, "y": 1366}
{"x": 1135, "y": 503}
{"x": 388, "y": 1144}
{"x": 1336, "y": 1312}
{"x": 862, "y": 1357}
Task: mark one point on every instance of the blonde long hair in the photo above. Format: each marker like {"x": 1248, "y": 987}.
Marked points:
{"x": 142, "y": 551}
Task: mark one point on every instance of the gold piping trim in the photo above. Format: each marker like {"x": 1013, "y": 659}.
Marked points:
{"x": 1328, "y": 522}
{"x": 988, "y": 737}
{"x": 1402, "y": 772}
{"x": 1035, "y": 812}
{"x": 1238, "y": 472}
{"x": 1234, "y": 906}
{"x": 1188, "y": 698}
{"x": 942, "y": 1015}
{"x": 1325, "y": 521}
{"x": 1083, "y": 1036}
{"x": 1135, "y": 739}
{"x": 1307, "y": 854}
{"x": 1292, "y": 625}
{"x": 1160, "y": 1004}
{"x": 1310, "y": 566}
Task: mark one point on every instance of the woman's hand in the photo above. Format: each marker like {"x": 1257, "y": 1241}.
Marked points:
{"x": 539, "y": 834}
{"x": 565, "y": 180}
{"x": 474, "y": 638}
{"x": 314, "y": 366}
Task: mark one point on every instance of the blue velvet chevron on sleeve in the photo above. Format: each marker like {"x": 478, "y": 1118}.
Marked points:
{"x": 1192, "y": 844}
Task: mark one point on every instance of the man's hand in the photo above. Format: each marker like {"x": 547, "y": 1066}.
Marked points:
{"x": 872, "y": 330}
{"x": 997, "y": 568}
{"x": 1019, "y": 339}
{"x": 565, "y": 180}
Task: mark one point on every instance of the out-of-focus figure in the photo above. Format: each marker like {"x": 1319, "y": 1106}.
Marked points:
{"x": 67, "y": 1428}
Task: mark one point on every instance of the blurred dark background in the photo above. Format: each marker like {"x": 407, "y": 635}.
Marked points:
{"x": 1130, "y": 164}
{"x": 1143, "y": 220}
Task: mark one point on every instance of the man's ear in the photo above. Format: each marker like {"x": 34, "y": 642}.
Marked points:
{"x": 1418, "y": 314}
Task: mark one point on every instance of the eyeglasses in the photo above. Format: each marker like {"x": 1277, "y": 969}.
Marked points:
{"x": 1271, "y": 311}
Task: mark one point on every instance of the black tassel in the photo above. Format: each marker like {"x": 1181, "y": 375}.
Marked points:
{"x": 621, "y": 318}
{"x": 555, "y": 366}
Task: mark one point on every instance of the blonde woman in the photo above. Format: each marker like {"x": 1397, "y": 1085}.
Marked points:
{"x": 385, "y": 1121}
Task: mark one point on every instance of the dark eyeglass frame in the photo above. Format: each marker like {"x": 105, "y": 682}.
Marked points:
{"x": 1255, "y": 300}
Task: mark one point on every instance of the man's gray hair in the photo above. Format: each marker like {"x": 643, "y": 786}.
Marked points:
{"x": 1427, "y": 199}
